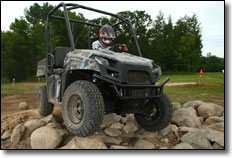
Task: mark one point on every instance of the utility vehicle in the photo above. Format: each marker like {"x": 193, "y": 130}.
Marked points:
{"x": 88, "y": 83}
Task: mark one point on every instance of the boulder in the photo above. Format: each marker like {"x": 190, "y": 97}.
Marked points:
{"x": 31, "y": 125}
{"x": 213, "y": 136}
{"x": 23, "y": 106}
{"x": 111, "y": 140}
{"x": 53, "y": 125}
{"x": 112, "y": 132}
{"x": 217, "y": 146}
{"x": 117, "y": 125}
{"x": 123, "y": 120}
{"x": 146, "y": 134}
{"x": 183, "y": 130}
{"x": 210, "y": 109}
{"x": 214, "y": 119}
{"x": 183, "y": 146}
{"x": 164, "y": 140}
{"x": 176, "y": 105}
{"x": 170, "y": 128}
{"x": 45, "y": 138}
{"x": 130, "y": 127}
{"x": 217, "y": 126}
{"x": 49, "y": 119}
{"x": 63, "y": 133}
{"x": 194, "y": 104}
{"x": 186, "y": 117}
{"x": 6, "y": 135}
{"x": 17, "y": 133}
{"x": 143, "y": 144}
{"x": 109, "y": 119}
{"x": 90, "y": 142}
{"x": 197, "y": 139}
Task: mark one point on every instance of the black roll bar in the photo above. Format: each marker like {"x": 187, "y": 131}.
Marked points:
{"x": 71, "y": 6}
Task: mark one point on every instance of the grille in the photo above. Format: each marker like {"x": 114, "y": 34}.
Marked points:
{"x": 138, "y": 77}
{"x": 144, "y": 92}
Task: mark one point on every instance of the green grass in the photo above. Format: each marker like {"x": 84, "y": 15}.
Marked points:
{"x": 20, "y": 88}
{"x": 211, "y": 88}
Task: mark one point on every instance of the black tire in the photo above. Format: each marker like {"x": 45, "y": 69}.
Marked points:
{"x": 162, "y": 117}
{"x": 44, "y": 107}
{"x": 83, "y": 108}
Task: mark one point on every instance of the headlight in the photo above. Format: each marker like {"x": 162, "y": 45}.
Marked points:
{"x": 156, "y": 71}
{"x": 102, "y": 61}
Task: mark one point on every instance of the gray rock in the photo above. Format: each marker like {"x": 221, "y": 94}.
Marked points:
{"x": 185, "y": 117}
{"x": 195, "y": 104}
{"x": 23, "y": 106}
{"x": 111, "y": 140}
{"x": 45, "y": 138}
{"x": 170, "y": 128}
{"x": 164, "y": 140}
{"x": 143, "y": 144}
{"x": 213, "y": 136}
{"x": 201, "y": 119}
{"x": 17, "y": 133}
{"x": 32, "y": 125}
{"x": 147, "y": 134}
{"x": 90, "y": 142}
{"x": 217, "y": 126}
{"x": 112, "y": 132}
{"x": 109, "y": 119}
{"x": 53, "y": 125}
{"x": 6, "y": 134}
{"x": 183, "y": 146}
{"x": 214, "y": 119}
{"x": 123, "y": 120}
{"x": 176, "y": 105}
{"x": 63, "y": 133}
{"x": 118, "y": 147}
{"x": 217, "y": 146}
{"x": 197, "y": 139}
{"x": 183, "y": 130}
{"x": 210, "y": 109}
{"x": 117, "y": 125}
{"x": 130, "y": 127}
{"x": 49, "y": 119}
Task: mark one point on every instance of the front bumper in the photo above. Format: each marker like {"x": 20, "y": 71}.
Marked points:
{"x": 122, "y": 89}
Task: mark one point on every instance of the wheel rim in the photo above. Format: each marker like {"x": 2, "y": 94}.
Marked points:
{"x": 75, "y": 109}
{"x": 153, "y": 113}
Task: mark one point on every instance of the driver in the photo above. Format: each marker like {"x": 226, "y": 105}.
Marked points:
{"x": 106, "y": 37}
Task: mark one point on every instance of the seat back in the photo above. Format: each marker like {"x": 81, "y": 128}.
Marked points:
{"x": 59, "y": 55}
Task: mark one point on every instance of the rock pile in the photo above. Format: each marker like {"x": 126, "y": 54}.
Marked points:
{"x": 195, "y": 125}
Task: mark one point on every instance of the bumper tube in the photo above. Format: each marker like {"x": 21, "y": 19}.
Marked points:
{"x": 158, "y": 88}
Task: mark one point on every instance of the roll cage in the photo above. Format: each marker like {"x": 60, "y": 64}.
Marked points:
{"x": 72, "y": 6}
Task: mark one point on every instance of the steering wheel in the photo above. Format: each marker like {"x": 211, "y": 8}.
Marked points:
{"x": 119, "y": 48}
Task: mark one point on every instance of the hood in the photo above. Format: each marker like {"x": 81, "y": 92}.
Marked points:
{"x": 120, "y": 57}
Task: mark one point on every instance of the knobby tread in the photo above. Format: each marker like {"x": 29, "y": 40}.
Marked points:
{"x": 93, "y": 108}
{"x": 44, "y": 107}
{"x": 165, "y": 116}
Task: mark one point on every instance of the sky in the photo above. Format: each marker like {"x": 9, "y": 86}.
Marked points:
{"x": 210, "y": 15}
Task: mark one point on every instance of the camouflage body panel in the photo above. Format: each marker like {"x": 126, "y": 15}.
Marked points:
{"x": 41, "y": 68}
{"x": 84, "y": 59}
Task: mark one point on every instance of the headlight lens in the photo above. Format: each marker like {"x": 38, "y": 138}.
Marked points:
{"x": 102, "y": 61}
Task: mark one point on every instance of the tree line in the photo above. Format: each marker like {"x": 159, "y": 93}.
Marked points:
{"x": 176, "y": 47}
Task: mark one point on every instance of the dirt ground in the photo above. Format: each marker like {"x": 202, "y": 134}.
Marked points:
{"x": 11, "y": 115}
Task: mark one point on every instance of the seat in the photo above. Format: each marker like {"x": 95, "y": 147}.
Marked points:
{"x": 59, "y": 55}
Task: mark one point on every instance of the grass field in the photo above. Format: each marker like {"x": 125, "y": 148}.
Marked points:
{"x": 211, "y": 88}
{"x": 20, "y": 88}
